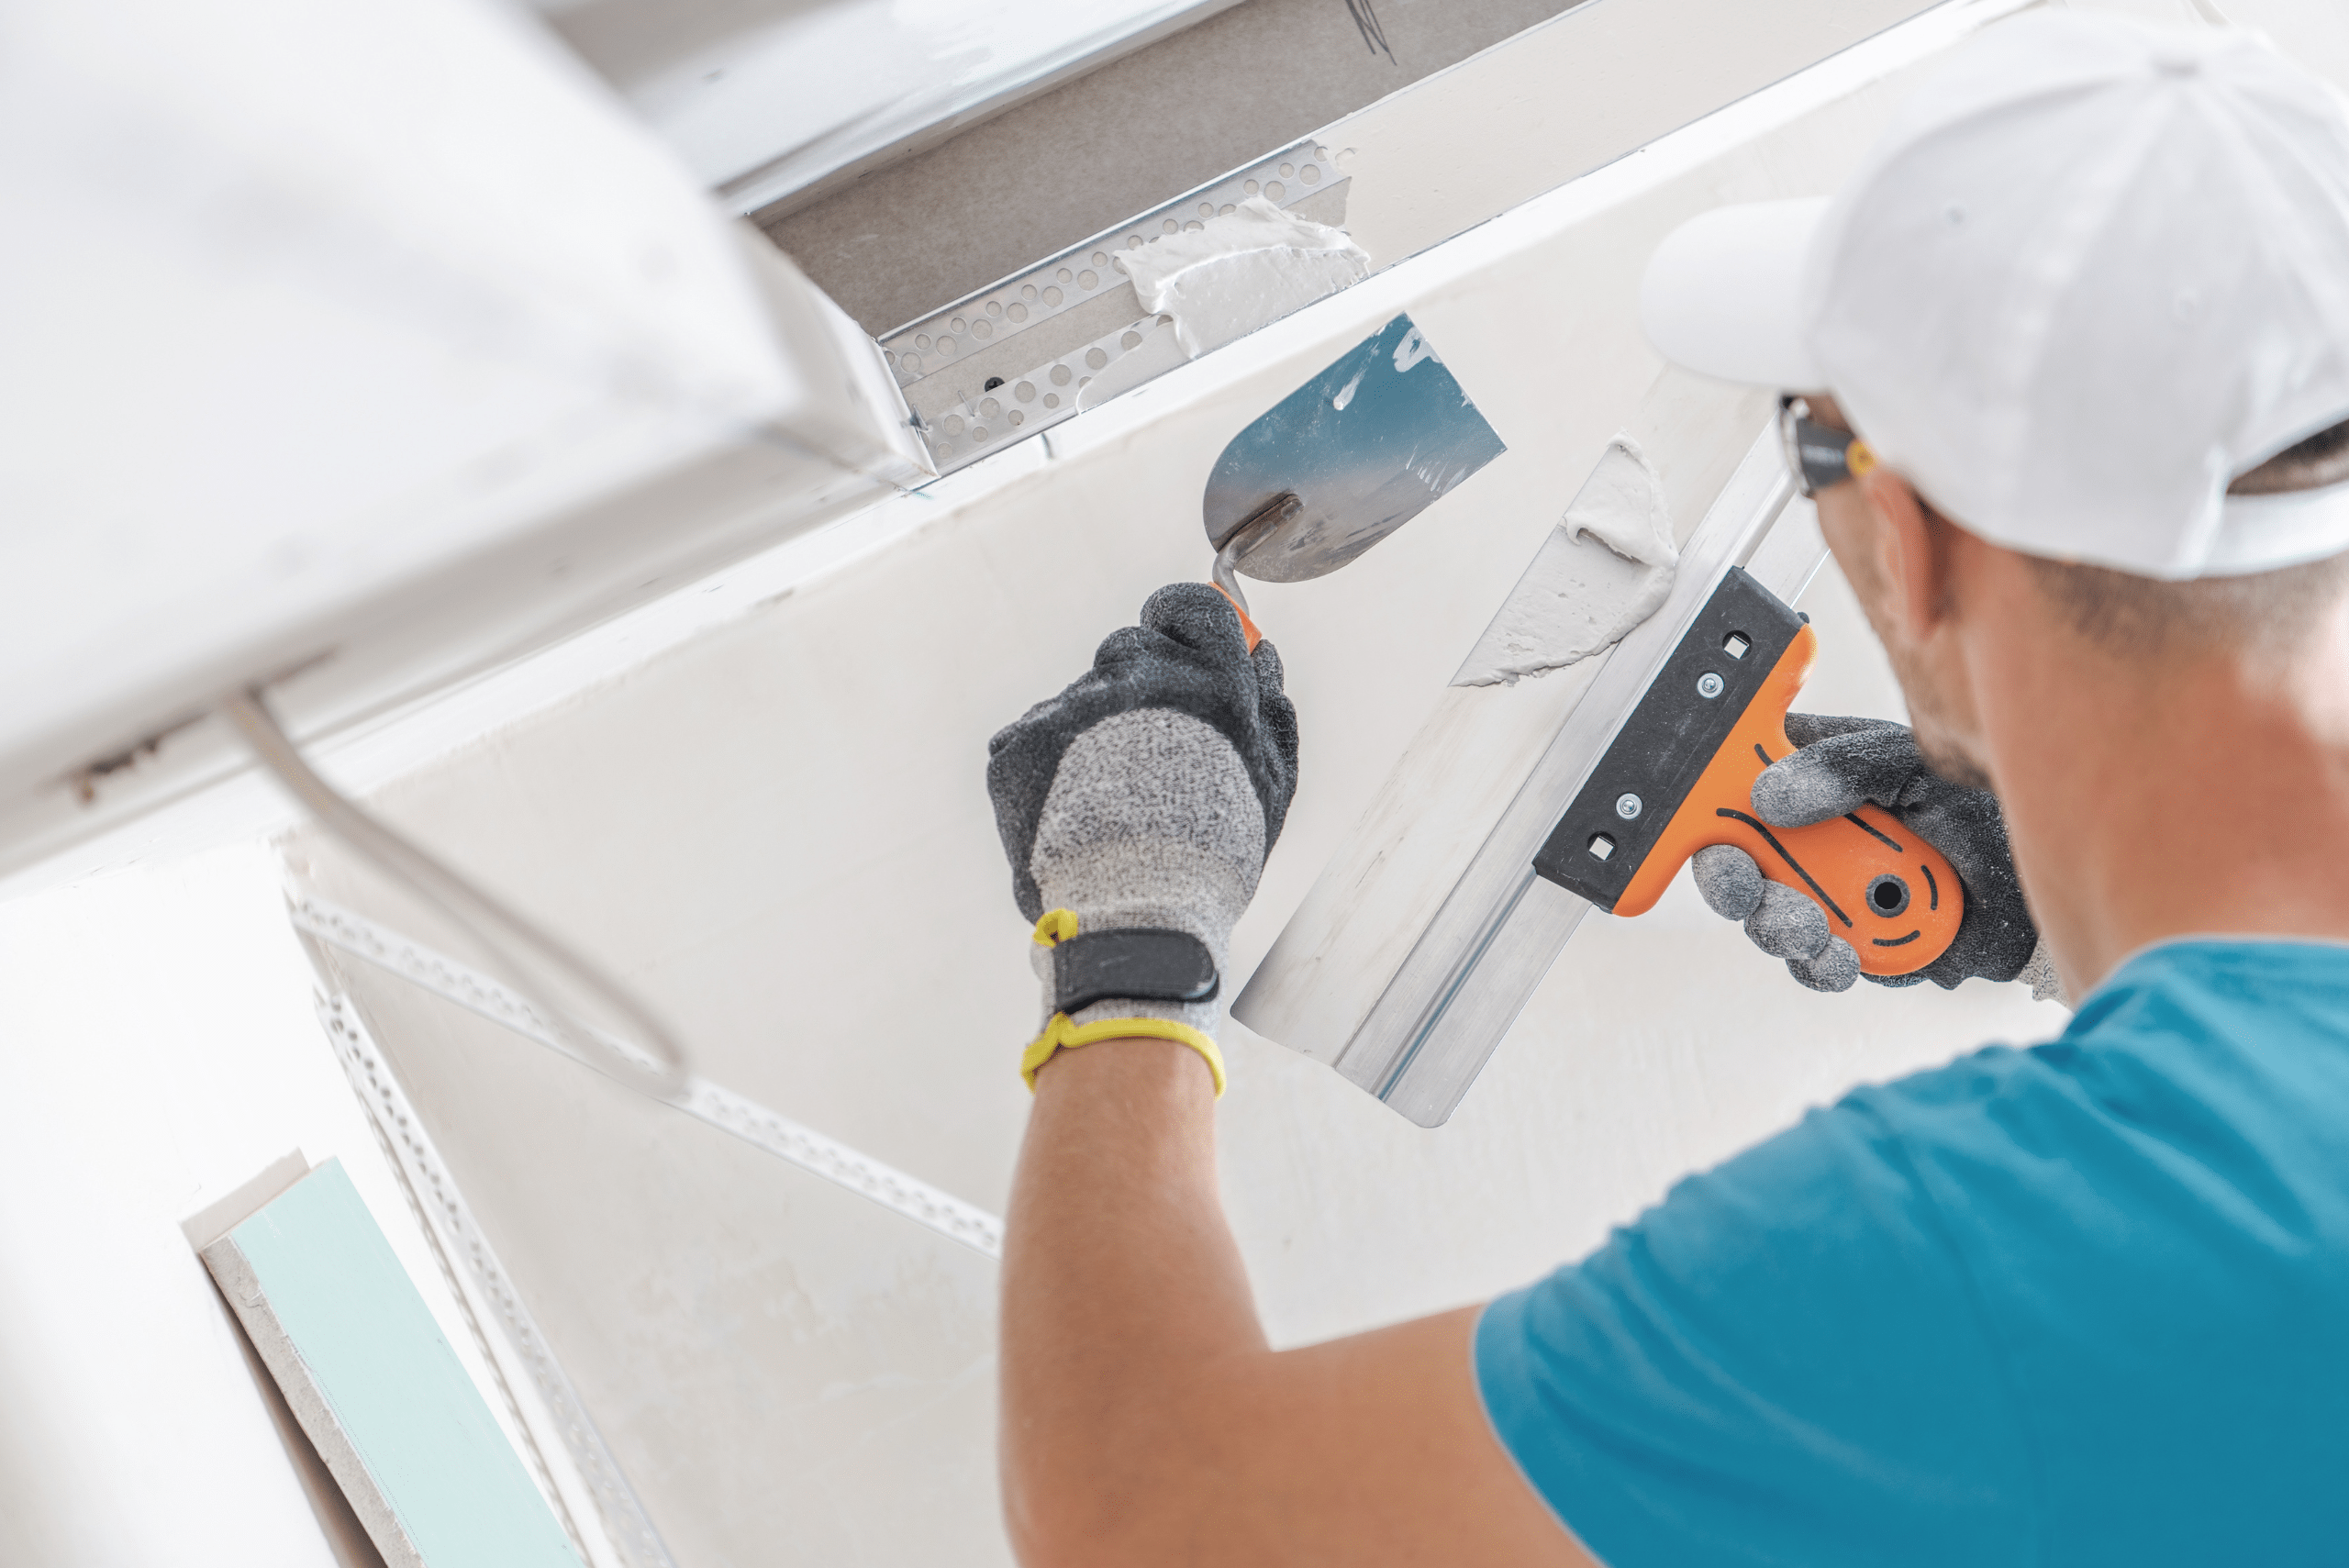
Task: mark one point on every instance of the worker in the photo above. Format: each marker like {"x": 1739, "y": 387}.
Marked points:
{"x": 2071, "y": 351}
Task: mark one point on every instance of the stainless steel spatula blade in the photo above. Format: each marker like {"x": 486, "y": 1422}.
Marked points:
{"x": 1363, "y": 447}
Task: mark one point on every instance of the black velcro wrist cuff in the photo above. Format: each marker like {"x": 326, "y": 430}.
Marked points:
{"x": 1140, "y": 964}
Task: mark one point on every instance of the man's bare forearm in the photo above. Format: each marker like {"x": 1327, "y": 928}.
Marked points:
{"x": 1145, "y": 1421}
{"x": 1121, "y": 1287}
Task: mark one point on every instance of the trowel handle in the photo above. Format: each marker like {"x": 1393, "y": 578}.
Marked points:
{"x": 1887, "y": 892}
{"x": 1258, "y": 528}
{"x": 1247, "y": 627}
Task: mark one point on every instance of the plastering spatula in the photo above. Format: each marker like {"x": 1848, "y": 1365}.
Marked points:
{"x": 1342, "y": 462}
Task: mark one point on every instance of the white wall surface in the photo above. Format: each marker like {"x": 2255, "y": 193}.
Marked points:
{"x": 158, "y": 1051}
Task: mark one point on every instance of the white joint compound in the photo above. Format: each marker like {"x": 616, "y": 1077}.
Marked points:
{"x": 1603, "y": 570}
{"x": 1239, "y": 270}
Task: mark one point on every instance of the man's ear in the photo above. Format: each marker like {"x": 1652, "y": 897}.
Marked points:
{"x": 1911, "y": 552}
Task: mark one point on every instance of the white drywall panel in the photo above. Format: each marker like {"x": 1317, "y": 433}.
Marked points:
{"x": 161, "y": 1052}
{"x": 347, "y": 610}
{"x": 282, "y": 340}
{"x": 784, "y": 1373}
{"x": 778, "y": 830}
{"x": 754, "y": 821}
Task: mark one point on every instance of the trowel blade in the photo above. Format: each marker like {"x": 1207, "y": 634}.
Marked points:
{"x": 1366, "y": 445}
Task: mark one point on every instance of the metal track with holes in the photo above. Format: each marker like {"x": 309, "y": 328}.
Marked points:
{"x": 450, "y": 1224}
{"x": 721, "y": 1108}
{"x": 1013, "y": 358}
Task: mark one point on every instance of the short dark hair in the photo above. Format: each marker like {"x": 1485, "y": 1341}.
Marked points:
{"x": 2264, "y": 609}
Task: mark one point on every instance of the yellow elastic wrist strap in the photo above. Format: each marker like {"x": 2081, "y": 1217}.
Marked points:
{"x": 1064, "y": 1034}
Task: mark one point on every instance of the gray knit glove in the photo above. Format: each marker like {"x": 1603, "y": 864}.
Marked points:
{"x": 1838, "y": 765}
{"x": 1145, "y": 797}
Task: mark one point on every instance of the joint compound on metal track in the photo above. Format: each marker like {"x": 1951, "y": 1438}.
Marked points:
{"x": 721, "y": 1108}
{"x": 1223, "y": 280}
{"x": 1042, "y": 335}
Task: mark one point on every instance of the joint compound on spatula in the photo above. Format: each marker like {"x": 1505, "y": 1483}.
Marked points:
{"x": 1237, "y": 271}
{"x": 1603, "y": 569}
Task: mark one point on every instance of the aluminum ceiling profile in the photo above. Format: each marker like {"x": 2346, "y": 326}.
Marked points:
{"x": 1068, "y": 333}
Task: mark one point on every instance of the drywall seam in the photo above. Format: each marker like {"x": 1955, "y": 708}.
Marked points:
{"x": 1224, "y": 278}
{"x": 721, "y": 1108}
{"x": 449, "y": 1223}
{"x": 1578, "y": 598}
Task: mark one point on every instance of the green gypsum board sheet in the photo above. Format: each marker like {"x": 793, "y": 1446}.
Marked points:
{"x": 377, "y": 1387}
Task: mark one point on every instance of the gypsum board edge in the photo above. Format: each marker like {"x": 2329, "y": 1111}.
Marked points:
{"x": 450, "y": 1229}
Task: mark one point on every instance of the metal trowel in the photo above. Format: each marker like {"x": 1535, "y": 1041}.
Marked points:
{"x": 1342, "y": 462}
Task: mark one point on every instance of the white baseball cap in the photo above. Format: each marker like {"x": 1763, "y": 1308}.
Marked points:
{"x": 2094, "y": 271}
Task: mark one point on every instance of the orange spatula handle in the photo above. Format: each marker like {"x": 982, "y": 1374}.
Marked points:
{"x": 1885, "y": 891}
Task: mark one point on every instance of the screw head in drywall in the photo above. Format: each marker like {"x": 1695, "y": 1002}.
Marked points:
{"x": 1708, "y": 684}
{"x": 1627, "y": 807}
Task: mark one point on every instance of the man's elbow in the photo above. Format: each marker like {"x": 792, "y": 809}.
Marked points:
{"x": 1084, "y": 1514}
{"x": 1076, "y": 1525}
{"x": 1053, "y": 1535}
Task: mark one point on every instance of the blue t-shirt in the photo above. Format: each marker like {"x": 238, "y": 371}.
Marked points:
{"x": 2086, "y": 1303}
